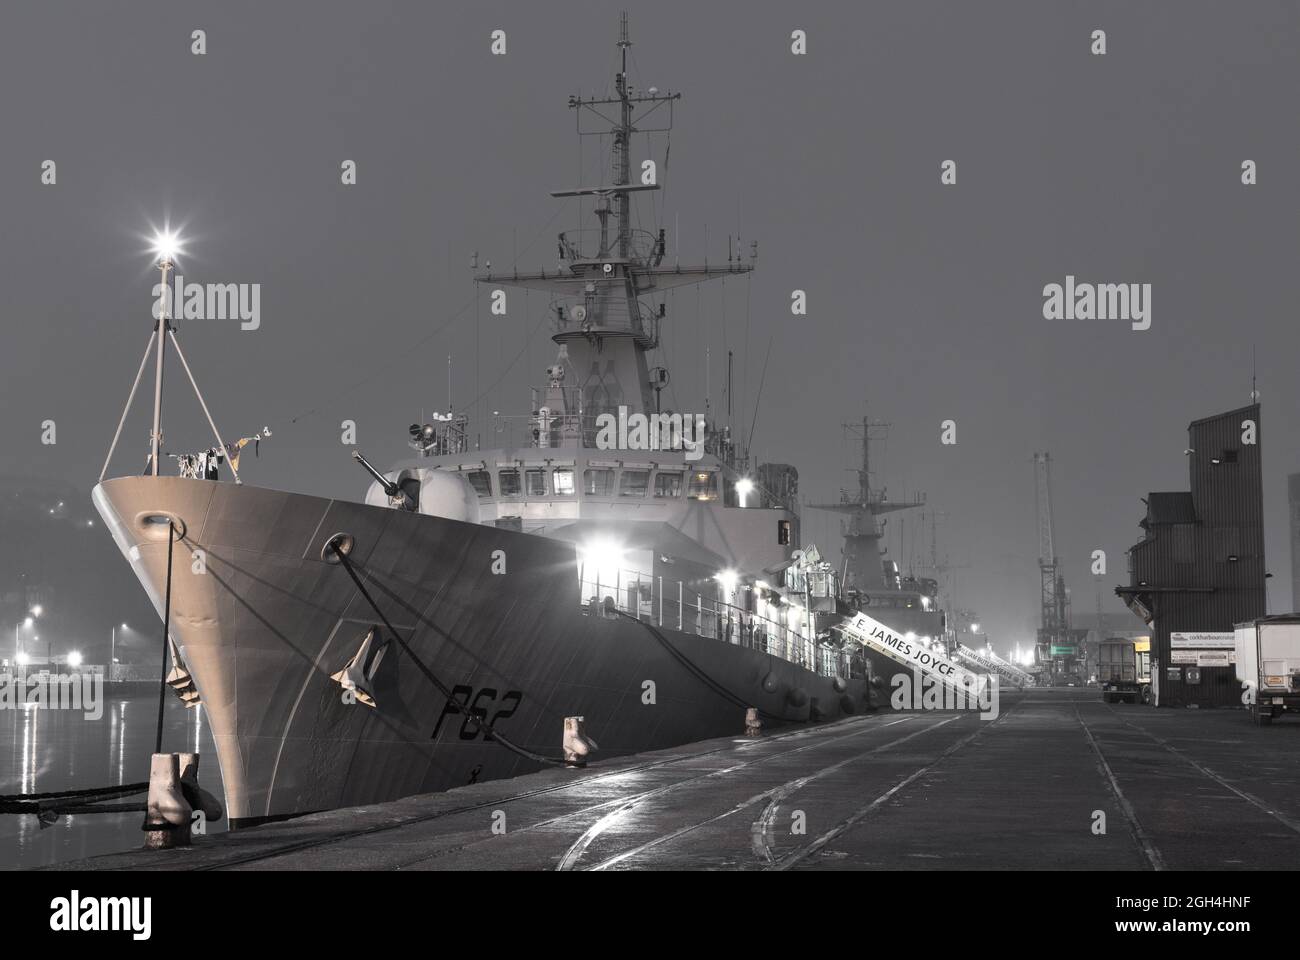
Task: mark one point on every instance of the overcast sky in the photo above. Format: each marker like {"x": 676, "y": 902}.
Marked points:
{"x": 925, "y": 300}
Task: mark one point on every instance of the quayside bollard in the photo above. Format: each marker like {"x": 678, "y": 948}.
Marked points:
{"x": 753, "y": 725}
{"x": 577, "y": 745}
{"x": 167, "y": 815}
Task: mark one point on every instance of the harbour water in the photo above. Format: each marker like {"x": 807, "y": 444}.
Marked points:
{"x": 43, "y": 750}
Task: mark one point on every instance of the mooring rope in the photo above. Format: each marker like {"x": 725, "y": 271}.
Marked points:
{"x": 167, "y": 622}
{"x": 41, "y": 802}
{"x": 697, "y": 671}
{"x": 487, "y": 729}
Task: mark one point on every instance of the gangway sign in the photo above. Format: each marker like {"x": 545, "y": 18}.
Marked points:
{"x": 1023, "y": 674}
{"x": 992, "y": 665}
{"x": 911, "y": 653}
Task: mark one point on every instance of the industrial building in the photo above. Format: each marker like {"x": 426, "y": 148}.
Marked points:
{"x": 1293, "y": 505}
{"x": 1199, "y": 567}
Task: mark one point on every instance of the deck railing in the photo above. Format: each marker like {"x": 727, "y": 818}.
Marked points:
{"x": 672, "y": 604}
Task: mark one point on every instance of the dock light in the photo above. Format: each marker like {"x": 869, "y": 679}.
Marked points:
{"x": 74, "y": 659}
{"x": 728, "y": 579}
{"x": 37, "y": 610}
{"x": 28, "y": 622}
{"x": 974, "y": 628}
{"x": 910, "y": 637}
{"x": 23, "y": 659}
{"x": 744, "y": 487}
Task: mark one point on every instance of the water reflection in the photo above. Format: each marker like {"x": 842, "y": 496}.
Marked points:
{"x": 42, "y": 750}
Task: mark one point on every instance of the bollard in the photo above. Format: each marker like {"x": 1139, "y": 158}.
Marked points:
{"x": 196, "y": 796}
{"x": 753, "y": 725}
{"x": 577, "y": 745}
{"x": 167, "y": 815}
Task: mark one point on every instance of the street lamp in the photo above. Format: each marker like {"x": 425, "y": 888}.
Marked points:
{"x": 112, "y": 649}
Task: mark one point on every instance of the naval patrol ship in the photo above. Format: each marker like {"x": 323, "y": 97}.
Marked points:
{"x": 600, "y": 558}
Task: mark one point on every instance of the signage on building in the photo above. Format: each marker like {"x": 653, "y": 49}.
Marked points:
{"x": 1065, "y": 651}
{"x": 1203, "y": 658}
{"x": 1202, "y": 641}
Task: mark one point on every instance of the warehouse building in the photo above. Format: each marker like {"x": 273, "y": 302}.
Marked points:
{"x": 1199, "y": 567}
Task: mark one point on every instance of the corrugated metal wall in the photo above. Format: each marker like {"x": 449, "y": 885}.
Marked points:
{"x": 1228, "y": 496}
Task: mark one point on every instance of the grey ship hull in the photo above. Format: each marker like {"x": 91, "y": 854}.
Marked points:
{"x": 266, "y": 625}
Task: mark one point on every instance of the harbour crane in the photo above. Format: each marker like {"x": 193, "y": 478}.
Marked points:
{"x": 1054, "y": 631}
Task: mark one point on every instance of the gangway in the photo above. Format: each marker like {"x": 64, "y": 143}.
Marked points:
{"x": 1025, "y": 676}
{"x": 1015, "y": 668}
{"x": 992, "y": 664}
{"x": 908, "y": 651}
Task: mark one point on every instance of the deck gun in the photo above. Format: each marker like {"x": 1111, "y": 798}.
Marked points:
{"x": 392, "y": 489}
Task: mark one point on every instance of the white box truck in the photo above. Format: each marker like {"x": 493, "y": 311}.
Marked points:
{"x": 1268, "y": 665}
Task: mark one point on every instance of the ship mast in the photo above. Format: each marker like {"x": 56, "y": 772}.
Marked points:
{"x": 601, "y": 317}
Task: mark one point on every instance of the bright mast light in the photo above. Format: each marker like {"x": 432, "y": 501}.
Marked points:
{"x": 166, "y": 244}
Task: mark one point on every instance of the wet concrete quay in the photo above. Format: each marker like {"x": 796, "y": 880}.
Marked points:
{"x": 1058, "y": 780}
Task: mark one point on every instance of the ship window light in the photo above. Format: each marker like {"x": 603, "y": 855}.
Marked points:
{"x": 562, "y": 481}
{"x": 481, "y": 481}
{"x": 633, "y": 483}
{"x": 535, "y": 482}
{"x": 598, "y": 482}
{"x": 668, "y": 485}
{"x": 509, "y": 483}
{"x": 703, "y": 486}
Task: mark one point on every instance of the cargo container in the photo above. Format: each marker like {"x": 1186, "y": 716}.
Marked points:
{"x": 1117, "y": 671}
{"x": 1268, "y": 665}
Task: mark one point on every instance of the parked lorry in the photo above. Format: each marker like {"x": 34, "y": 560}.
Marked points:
{"x": 1268, "y": 665}
{"x": 1117, "y": 671}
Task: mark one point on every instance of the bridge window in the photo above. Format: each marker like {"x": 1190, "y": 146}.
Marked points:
{"x": 634, "y": 483}
{"x": 509, "y": 483}
{"x": 481, "y": 481}
{"x": 535, "y": 482}
{"x": 668, "y": 485}
{"x": 703, "y": 486}
{"x": 563, "y": 482}
{"x": 599, "y": 482}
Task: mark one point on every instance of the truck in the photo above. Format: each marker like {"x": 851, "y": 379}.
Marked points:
{"x": 1268, "y": 665}
{"x": 1117, "y": 671}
